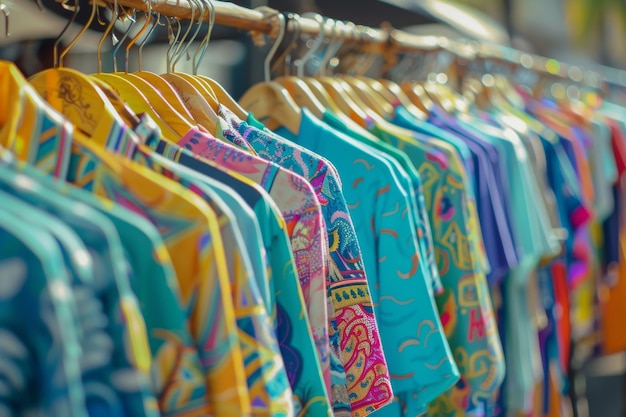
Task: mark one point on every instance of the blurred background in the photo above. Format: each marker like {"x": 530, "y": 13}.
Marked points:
{"x": 589, "y": 33}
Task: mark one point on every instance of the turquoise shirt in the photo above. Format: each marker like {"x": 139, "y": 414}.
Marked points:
{"x": 465, "y": 305}
{"x": 412, "y": 183}
{"x": 101, "y": 287}
{"x": 401, "y": 289}
{"x": 47, "y": 355}
{"x": 154, "y": 283}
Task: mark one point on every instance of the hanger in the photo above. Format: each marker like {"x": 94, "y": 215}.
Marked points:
{"x": 346, "y": 100}
{"x": 222, "y": 96}
{"x": 12, "y": 87}
{"x": 313, "y": 83}
{"x": 206, "y": 91}
{"x": 5, "y": 11}
{"x": 414, "y": 91}
{"x": 202, "y": 111}
{"x": 296, "y": 86}
{"x": 335, "y": 45}
{"x": 159, "y": 84}
{"x": 171, "y": 109}
{"x": 75, "y": 95}
{"x": 393, "y": 93}
{"x": 133, "y": 96}
{"x": 363, "y": 88}
{"x": 269, "y": 101}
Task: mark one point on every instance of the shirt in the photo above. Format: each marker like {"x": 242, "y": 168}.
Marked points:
{"x": 177, "y": 377}
{"x": 267, "y": 380}
{"x": 465, "y": 306}
{"x": 414, "y": 186}
{"x": 39, "y": 292}
{"x": 489, "y": 177}
{"x": 293, "y": 333}
{"x": 302, "y": 214}
{"x": 190, "y": 231}
{"x": 349, "y": 291}
{"x": 397, "y": 275}
{"x": 444, "y": 142}
{"x": 117, "y": 347}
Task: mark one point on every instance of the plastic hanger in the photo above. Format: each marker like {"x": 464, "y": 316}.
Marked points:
{"x": 269, "y": 101}
{"x": 75, "y": 95}
{"x": 296, "y": 86}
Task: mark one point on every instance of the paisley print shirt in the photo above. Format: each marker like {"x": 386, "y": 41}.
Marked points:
{"x": 399, "y": 278}
{"x": 369, "y": 385}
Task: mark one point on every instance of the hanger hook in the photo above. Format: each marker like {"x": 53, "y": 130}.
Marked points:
{"x": 106, "y": 32}
{"x": 368, "y": 60}
{"x": 279, "y": 38}
{"x": 5, "y": 11}
{"x": 183, "y": 45}
{"x": 300, "y": 63}
{"x": 295, "y": 18}
{"x": 145, "y": 40}
{"x": 336, "y": 42}
{"x": 117, "y": 47}
{"x": 55, "y": 49}
{"x": 201, "y": 50}
{"x": 80, "y": 33}
{"x": 171, "y": 38}
{"x": 139, "y": 34}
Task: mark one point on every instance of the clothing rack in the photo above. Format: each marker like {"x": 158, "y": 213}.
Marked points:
{"x": 232, "y": 15}
{"x": 264, "y": 21}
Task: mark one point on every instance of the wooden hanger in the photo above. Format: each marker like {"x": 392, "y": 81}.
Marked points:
{"x": 341, "y": 92}
{"x": 269, "y": 101}
{"x": 75, "y": 95}
{"x": 201, "y": 110}
{"x": 295, "y": 85}
{"x": 392, "y": 90}
{"x": 363, "y": 88}
{"x": 417, "y": 94}
{"x": 136, "y": 98}
{"x": 158, "y": 84}
{"x": 172, "y": 109}
{"x": 371, "y": 97}
{"x": 216, "y": 89}
{"x": 351, "y": 102}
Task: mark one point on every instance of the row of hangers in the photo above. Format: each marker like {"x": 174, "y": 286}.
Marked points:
{"x": 178, "y": 101}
